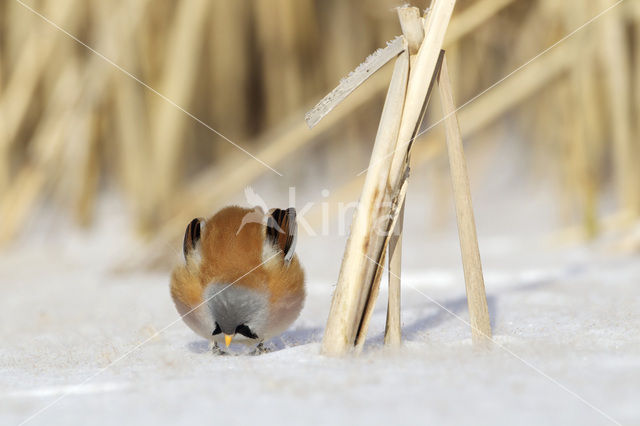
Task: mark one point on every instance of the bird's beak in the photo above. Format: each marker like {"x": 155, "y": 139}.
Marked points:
{"x": 228, "y": 339}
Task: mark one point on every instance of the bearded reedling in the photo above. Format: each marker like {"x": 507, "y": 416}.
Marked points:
{"x": 240, "y": 279}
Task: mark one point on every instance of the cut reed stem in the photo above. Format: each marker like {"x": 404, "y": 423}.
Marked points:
{"x": 344, "y": 315}
{"x": 358, "y": 283}
{"x": 472, "y": 266}
{"x": 393, "y": 327}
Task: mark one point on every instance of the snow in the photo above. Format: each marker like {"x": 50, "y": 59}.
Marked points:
{"x": 91, "y": 345}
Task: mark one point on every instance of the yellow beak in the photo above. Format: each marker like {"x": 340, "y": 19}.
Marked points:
{"x": 228, "y": 339}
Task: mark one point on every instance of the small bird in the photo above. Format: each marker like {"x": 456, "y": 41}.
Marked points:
{"x": 240, "y": 279}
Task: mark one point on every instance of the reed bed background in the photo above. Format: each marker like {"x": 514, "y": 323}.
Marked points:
{"x": 74, "y": 125}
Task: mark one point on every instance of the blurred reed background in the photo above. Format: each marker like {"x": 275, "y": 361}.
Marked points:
{"x": 73, "y": 125}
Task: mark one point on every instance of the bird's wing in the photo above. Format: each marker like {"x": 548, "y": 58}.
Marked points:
{"x": 282, "y": 231}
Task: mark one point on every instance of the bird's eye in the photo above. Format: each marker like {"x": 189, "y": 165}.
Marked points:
{"x": 217, "y": 330}
{"x": 246, "y": 331}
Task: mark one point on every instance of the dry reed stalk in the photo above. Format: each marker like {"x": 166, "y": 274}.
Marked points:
{"x": 526, "y": 82}
{"x": 347, "y": 85}
{"x": 308, "y": 38}
{"x": 353, "y": 299}
{"x": 276, "y": 27}
{"x": 472, "y": 17}
{"x": 393, "y": 326}
{"x": 483, "y": 111}
{"x": 45, "y": 157}
{"x": 63, "y": 154}
{"x": 517, "y": 88}
{"x": 178, "y": 81}
{"x": 230, "y": 74}
{"x": 583, "y": 109}
{"x": 87, "y": 170}
{"x": 13, "y": 36}
{"x": 78, "y": 185}
{"x": 288, "y": 66}
{"x": 340, "y": 51}
{"x": 5, "y": 164}
{"x": 455, "y": 57}
{"x": 350, "y": 152}
{"x": 344, "y": 317}
{"x": 133, "y": 151}
{"x": 419, "y": 86}
{"x": 32, "y": 61}
{"x": 528, "y": 41}
{"x": 131, "y": 133}
{"x": 413, "y": 30}
{"x": 376, "y": 265}
{"x": 412, "y": 27}
{"x": 636, "y": 75}
{"x": 18, "y": 38}
{"x": 494, "y": 104}
{"x": 77, "y": 146}
{"x": 24, "y": 191}
{"x": 472, "y": 266}
{"x": 572, "y": 235}
{"x": 350, "y": 191}
{"x": 348, "y": 36}
{"x": 154, "y": 43}
{"x": 614, "y": 53}
{"x": 288, "y": 132}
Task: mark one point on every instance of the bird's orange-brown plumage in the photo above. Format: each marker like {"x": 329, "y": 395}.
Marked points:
{"x": 232, "y": 252}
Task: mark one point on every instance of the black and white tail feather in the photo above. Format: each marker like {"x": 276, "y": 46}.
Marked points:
{"x": 282, "y": 231}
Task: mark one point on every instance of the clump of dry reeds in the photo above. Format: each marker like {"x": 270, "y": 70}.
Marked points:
{"x": 72, "y": 122}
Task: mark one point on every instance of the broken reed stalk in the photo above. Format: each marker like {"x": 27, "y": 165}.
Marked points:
{"x": 351, "y": 82}
{"x": 420, "y": 80}
{"x": 474, "y": 281}
{"x": 376, "y": 263}
{"x": 344, "y": 317}
{"x": 416, "y": 101}
{"x": 353, "y": 299}
{"x": 178, "y": 84}
{"x": 615, "y": 60}
{"x": 413, "y": 32}
{"x": 393, "y": 327}
{"x": 412, "y": 27}
{"x": 481, "y": 113}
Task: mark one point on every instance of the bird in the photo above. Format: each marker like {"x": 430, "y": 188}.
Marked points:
{"x": 240, "y": 280}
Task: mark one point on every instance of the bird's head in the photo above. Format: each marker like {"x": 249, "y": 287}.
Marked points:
{"x": 238, "y": 312}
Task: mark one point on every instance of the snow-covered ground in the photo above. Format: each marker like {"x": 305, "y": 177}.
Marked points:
{"x": 79, "y": 343}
